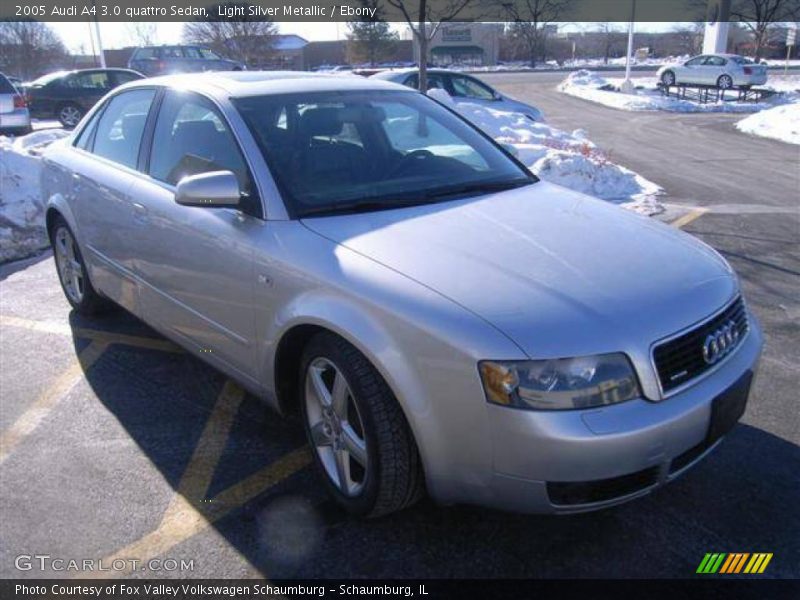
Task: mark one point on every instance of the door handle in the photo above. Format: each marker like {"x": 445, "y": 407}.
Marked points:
{"x": 139, "y": 212}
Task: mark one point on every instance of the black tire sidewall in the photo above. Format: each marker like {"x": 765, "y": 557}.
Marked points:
{"x": 330, "y": 347}
{"x": 668, "y": 75}
{"x": 725, "y": 78}
{"x": 91, "y": 301}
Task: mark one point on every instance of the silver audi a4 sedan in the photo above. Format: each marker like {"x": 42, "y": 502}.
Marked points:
{"x": 354, "y": 252}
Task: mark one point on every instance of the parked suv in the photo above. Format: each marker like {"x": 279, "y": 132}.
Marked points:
{"x": 68, "y": 95}
{"x": 161, "y": 60}
{"x": 353, "y": 251}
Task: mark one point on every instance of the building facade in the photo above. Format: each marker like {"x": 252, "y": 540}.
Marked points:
{"x": 467, "y": 44}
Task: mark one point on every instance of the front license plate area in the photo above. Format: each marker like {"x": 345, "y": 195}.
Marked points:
{"x": 728, "y": 408}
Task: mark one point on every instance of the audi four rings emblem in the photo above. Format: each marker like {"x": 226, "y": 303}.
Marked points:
{"x": 720, "y": 342}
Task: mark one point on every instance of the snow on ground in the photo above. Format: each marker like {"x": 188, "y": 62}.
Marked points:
{"x": 592, "y": 86}
{"x": 568, "y": 159}
{"x": 780, "y": 123}
{"x": 21, "y": 208}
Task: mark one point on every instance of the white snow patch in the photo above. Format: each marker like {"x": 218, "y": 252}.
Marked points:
{"x": 22, "y": 229}
{"x": 592, "y": 86}
{"x": 780, "y": 123}
{"x": 568, "y": 159}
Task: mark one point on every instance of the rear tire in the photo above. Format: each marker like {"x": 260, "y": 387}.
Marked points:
{"x": 73, "y": 273}
{"x": 725, "y": 82}
{"x": 69, "y": 115}
{"x": 355, "y": 410}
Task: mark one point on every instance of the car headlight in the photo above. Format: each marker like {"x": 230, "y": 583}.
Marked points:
{"x": 560, "y": 384}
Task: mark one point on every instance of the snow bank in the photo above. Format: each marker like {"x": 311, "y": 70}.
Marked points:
{"x": 780, "y": 123}
{"x": 568, "y": 159}
{"x": 592, "y": 86}
{"x": 21, "y": 208}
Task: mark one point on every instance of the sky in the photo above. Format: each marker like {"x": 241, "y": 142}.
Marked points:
{"x": 117, "y": 35}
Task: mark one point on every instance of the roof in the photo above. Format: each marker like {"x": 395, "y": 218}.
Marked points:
{"x": 288, "y": 41}
{"x": 254, "y": 83}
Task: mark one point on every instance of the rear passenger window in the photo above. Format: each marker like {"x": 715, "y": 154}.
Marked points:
{"x": 120, "y": 129}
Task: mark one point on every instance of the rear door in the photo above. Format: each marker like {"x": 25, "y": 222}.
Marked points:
{"x": 196, "y": 264}
{"x": 87, "y": 87}
{"x": 714, "y": 66}
{"x": 102, "y": 182}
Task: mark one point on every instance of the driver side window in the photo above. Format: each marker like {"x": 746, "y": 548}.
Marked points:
{"x": 192, "y": 137}
{"x": 695, "y": 62}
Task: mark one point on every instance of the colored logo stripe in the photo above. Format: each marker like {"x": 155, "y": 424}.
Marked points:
{"x": 734, "y": 563}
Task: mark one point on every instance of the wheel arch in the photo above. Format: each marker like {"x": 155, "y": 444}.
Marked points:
{"x": 371, "y": 338}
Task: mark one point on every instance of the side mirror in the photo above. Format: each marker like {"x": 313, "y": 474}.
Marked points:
{"x": 216, "y": 189}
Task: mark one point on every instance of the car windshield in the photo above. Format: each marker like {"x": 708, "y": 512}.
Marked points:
{"x": 352, "y": 151}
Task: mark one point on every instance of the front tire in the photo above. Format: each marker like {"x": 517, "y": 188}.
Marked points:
{"x": 72, "y": 271}
{"x": 668, "y": 78}
{"x": 362, "y": 445}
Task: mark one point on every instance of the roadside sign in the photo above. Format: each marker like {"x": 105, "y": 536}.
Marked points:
{"x": 791, "y": 35}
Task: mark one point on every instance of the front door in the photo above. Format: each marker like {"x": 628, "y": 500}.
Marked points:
{"x": 196, "y": 264}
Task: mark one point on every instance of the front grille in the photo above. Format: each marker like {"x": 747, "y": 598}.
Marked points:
{"x": 566, "y": 493}
{"x": 680, "y": 359}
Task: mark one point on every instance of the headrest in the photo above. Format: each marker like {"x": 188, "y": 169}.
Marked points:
{"x": 321, "y": 121}
{"x": 132, "y": 127}
{"x": 195, "y": 131}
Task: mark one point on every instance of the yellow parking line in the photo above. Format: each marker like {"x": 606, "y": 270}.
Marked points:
{"x": 42, "y": 406}
{"x": 693, "y": 214}
{"x": 197, "y": 476}
{"x": 108, "y": 337}
{"x": 186, "y": 521}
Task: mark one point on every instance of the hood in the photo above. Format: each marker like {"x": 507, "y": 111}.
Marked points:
{"x": 559, "y": 272}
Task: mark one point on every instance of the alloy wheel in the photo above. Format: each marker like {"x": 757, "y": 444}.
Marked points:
{"x": 337, "y": 430}
{"x": 69, "y": 265}
{"x": 69, "y": 116}
{"x": 725, "y": 82}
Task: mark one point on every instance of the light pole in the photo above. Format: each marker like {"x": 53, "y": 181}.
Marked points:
{"x": 99, "y": 41}
{"x": 627, "y": 85}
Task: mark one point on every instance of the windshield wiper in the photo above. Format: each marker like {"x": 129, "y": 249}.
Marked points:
{"x": 364, "y": 205}
{"x": 413, "y": 199}
{"x": 478, "y": 187}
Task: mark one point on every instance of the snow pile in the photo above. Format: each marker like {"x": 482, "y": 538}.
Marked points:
{"x": 780, "y": 123}
{"x": 21, "y": 207}
{"x": 568, "y": 159}
{"x": 592, "y": 86}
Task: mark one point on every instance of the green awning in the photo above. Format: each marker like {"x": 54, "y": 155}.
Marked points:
{"x": 454, "y": 50}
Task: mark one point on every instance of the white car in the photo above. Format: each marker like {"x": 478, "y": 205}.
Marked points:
{"x": 725, "y": 71}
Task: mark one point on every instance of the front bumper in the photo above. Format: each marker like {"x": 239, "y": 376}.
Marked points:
{"x": 19, "y": 118}
{"x": 561, "y": 462}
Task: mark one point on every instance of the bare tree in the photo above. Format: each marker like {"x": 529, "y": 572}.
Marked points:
{"x": 248, "y": 41}
{"x": 761, "y": 15}
{"x": 372, "y": 40}
{"x": 143, "y": 33}
{"x": 30, "y": 48}
{"x": 530, "y": 19}
{"x": 424, "y": 17}
{"x": 610, "y": 39}
{"x": 689, "y": 39}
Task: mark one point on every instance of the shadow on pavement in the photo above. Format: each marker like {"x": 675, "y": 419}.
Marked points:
{"x": 743, "y": 498}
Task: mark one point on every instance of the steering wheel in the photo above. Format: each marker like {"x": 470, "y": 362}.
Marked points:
{"x": 419, "y": 154}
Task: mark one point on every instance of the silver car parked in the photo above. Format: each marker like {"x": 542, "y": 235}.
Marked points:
{"x": 352, "y": 250}
{"x": 724, "y": 71}
{"x": 462, "y": 88}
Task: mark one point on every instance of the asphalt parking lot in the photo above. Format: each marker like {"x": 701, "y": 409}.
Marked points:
{"x": 116, "y": 444}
